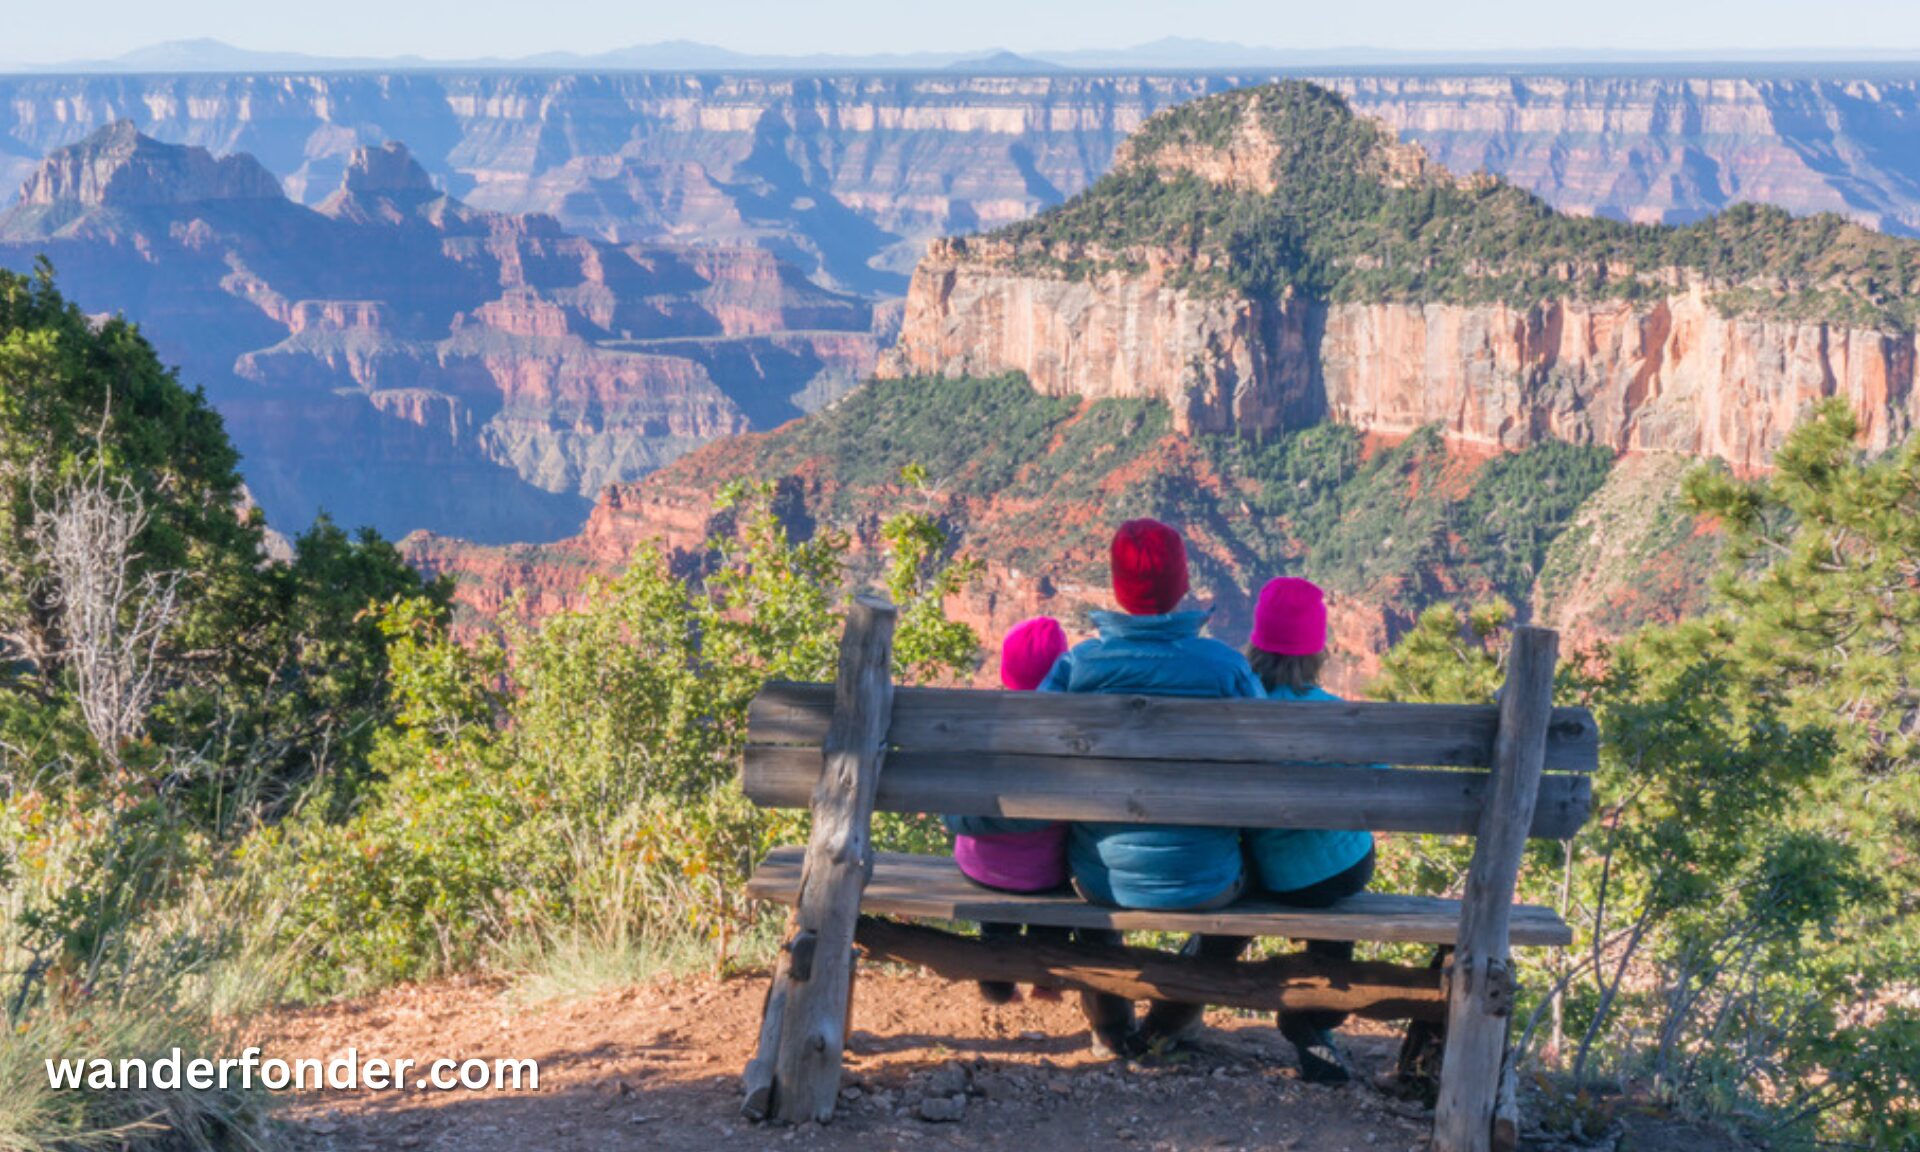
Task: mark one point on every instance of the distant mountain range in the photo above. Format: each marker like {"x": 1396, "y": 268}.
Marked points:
{"x": 399, "y": 358}
{"x": 1172, "y": 53}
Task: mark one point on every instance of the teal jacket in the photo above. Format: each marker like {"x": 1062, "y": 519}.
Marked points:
{"x": 1284, "y": 859}
{"x": 1153, "y": 865}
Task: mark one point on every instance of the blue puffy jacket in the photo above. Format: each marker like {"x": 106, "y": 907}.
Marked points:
{"x": 1285, "y": 860}
{"x": 1153, "y": 865}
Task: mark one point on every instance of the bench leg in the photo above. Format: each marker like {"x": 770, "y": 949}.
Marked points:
{"x": 1109, "y": 1018}
{"x": 756, "y": 1083}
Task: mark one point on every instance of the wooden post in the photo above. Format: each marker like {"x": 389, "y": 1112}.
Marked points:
{"x": 813, "y": 1024}
{"x": 1481, "y": 1001}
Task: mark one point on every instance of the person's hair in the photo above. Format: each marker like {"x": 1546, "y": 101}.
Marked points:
{"x": 1298, "y": 673}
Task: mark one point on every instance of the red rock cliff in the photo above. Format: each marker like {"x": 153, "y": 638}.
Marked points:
{"x": 1671, "y": 374}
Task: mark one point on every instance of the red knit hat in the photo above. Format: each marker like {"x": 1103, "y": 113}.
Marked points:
{"x": 1149, "y": 568}
{"x": 1290, "y": 618}
{"x": 1029, "y": 652}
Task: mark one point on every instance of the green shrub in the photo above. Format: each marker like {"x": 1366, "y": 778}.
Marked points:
{"x": 591, "y": 802}
{"x": 1742, "y": 900}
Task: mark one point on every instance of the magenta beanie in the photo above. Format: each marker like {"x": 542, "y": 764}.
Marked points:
{"x": 1029, "y": 651}
{"x": 1290, "y": 618}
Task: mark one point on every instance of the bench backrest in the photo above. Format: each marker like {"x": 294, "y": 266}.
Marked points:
{"x": 1164, "y": 760}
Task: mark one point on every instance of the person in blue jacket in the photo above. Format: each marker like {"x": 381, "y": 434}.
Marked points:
{"x": 1152, "y": 649}
{"x": 1309, "y": 868}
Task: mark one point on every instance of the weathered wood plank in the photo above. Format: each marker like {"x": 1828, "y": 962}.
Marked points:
{"x": 931, "y": 888}
{"x": 1159, "y": 727}
{"x": 1243, "y": 795}
{"x": 838, "y": 861}
{"x": 1482, "y": 988}
{"x": 1294, "y": 982}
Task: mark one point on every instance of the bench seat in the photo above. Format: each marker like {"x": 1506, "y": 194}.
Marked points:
{"x": 932, "y": 888}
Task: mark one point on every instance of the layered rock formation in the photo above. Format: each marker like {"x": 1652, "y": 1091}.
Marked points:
{"x": 1676, "y": 365}
{"x": 401, "y": 359}
{"x": 1500, "y": 420}
{"x": 1672, "y": 376}
{"x": 850, "y": 176}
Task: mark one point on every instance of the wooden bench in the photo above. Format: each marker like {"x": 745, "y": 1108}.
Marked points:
{"x": 1499, "y": 774}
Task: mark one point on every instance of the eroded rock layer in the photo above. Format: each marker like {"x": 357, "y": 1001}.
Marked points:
{"x": 399, "y": 358}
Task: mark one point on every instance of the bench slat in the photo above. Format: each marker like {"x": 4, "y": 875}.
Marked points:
{"x": 1161, "y": 727}
{"x": 930, "y": 887}
{"x": 1171, "y": 792}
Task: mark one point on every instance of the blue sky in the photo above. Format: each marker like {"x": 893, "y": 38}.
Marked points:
{"x": 36, "y": 31}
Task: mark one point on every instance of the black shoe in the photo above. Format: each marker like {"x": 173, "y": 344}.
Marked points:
{"x": 1321, "y": 1061}
{"x": 998, "y": 991}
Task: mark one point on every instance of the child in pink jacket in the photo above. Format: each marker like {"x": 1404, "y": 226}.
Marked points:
{"x": 1015, "y": 855}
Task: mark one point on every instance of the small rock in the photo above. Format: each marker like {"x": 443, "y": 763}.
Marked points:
{"x": 851, "y": 1092}
{"x": 950, "y": 1079}
{"x": 323, "y": 1128}
{"x": 943, "y": 1109}
{"x": 993, "y": 1085}
{"x": 638, "y": 1118}
{"x": 1033, "y": 1035}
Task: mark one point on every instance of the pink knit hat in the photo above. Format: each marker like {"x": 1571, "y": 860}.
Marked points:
{"x": 1290, "y": 618}
{"x": 1029, "y": 652}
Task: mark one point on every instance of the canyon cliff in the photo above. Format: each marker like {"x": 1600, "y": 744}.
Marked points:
{"x": 1318, "y": 352}
{"x": 850, "y": 176}
{"x": 1673, "y": 375}
{"x": 398, "y": 358}
{"x": 1607, "y": 344}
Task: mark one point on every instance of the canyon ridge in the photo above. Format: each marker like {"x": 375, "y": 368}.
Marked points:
{"x": 1321, "y": 352}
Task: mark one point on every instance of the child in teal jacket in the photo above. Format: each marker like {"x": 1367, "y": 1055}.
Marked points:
{"x": 1308, "y": 867}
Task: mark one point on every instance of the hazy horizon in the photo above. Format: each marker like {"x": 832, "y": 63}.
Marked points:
{"x": 436, "y": 30}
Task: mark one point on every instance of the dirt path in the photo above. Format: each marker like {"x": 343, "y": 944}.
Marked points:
{"x": 657, "y": 1066}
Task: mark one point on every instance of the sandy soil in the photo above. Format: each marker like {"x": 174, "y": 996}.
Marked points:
{"x": 657, "y": 1066}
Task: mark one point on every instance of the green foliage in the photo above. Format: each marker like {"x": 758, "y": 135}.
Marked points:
{"x": 1744, "y": 896}
{"x": 922, "y": 575}
{"x": 1355, "y": 523}
{"x": 1352, "y": 218}
{"x": 122, "y": 915}
{"x": 969, "y": 433}
{"x": 1450, "y": 656}
{"x": 271, "y": 676}
{"x": 594, "y": 794}
{"x": 1520, "y": 503}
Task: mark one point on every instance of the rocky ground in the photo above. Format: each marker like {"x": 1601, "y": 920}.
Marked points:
{"x": 656, "y": 1067}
